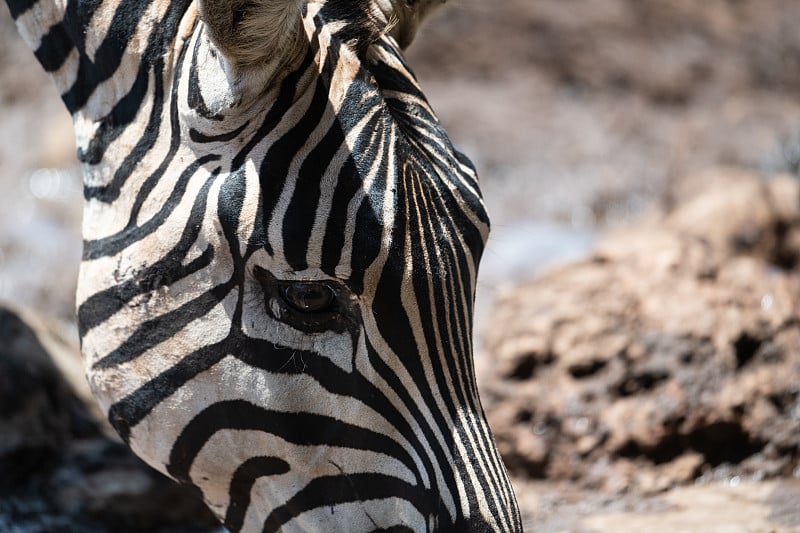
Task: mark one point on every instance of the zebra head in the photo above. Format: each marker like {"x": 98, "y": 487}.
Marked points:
{"x": 279, "y": 271}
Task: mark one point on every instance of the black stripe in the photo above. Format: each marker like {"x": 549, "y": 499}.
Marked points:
{"x": 242, "y": 483}
{"x": 108, "y": 54}
{"x": 114, "y": 244}
{"x": 160, "y": 328}
{"x": 123, "y": 113}
{"x": 18, "y": 7}
{"x": 110, "y": 127}
{"x": 126, "y": 413}
{"x": 333, "y": 490}
{"x": 54, "y": 48}
{"x": 230, "y": 202}
{"x": 199, "y": 137}
{"x": 472, "y": 179}
{"x": 346, "y": 187}
{"x": 169, "y": 269}
{"x": 275, "y": 167}
{"x": 111, "y": 50}
{"x": 298, "y": 222}
{"x": 391, "y": 79}
{"x": 300, "y": 428}
{"x": 195, "y": 96}
{"x": 368, "y": 229}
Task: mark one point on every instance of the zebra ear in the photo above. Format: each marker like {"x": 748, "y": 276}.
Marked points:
{"x": 252, "y": 32}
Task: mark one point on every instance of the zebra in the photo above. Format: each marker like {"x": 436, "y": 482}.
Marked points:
{"x": 280, "y": 254}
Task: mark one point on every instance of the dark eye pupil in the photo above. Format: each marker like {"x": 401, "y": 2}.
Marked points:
{"x": 309, "y": 297}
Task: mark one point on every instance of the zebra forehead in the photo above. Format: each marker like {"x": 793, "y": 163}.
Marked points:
{"x": 350, "y": 163}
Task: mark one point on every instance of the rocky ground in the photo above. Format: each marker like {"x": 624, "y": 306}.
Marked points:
{"x": 670, "y": 356}
{"x": 646, "y": 387}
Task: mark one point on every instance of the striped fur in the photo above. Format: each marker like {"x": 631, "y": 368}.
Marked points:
{"x": 205, "y": 202}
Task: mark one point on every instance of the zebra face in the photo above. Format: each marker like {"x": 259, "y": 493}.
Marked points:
{"x": 287, "y": 326}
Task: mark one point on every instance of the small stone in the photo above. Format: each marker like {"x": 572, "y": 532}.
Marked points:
{"x": 682, "y": 469}
{"x": 587, "y": 443}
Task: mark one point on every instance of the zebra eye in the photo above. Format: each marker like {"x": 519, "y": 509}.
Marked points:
{"x": 309, "y": 297}
{"x": 310, "y": 306}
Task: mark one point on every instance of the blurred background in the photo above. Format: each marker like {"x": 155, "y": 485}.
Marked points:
{"x": 586, "y": 120}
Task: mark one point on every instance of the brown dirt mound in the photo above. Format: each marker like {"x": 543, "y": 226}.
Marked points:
{"x": 671, "y": 354}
